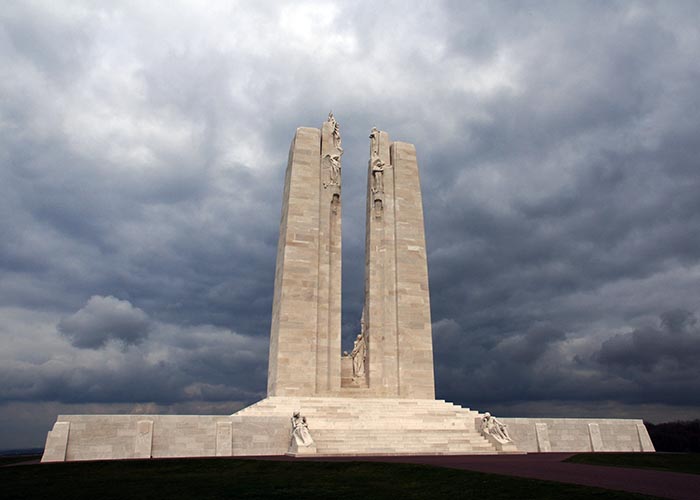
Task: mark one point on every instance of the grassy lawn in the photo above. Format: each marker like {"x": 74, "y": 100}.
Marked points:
{"x": 676, "y": 462}
{"x": 231, "y": 478}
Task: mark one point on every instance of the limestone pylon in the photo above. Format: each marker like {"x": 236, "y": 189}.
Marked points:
{"x": 397, "y": 299}
{"x": 305, "y": 330}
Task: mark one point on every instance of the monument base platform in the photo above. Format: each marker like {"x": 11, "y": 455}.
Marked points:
{"x": 339, "y": 427}
{"x": 544, "y": 435}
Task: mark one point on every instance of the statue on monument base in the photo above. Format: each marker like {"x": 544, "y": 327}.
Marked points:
{"x": 302, "y": 442}
{"x": 494, "y": 427}
{"x": 333, "y": 167}
{"x": 358, "y": 354}
{"x": 378, "y": 176}
{"x": 332, "y": 158}
{"x": 376, "y": 163}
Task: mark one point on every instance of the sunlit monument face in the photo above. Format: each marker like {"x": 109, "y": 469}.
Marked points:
{"x": 393, "y": 357}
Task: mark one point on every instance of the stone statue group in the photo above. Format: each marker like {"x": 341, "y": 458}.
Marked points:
{"x": 376, "y": 163}
{"x": 300, "y": 431}
{"x": 334, "y": 158}
{"x": 494, "y": 427}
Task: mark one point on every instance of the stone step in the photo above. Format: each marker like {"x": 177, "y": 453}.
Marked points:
{"x": 399, "y": 433}
{"x": 373, "y": 426}
{"x": 381, "y": 446}
{"x": 392, "y": 453}
{"x": 423, "y": 439}
{"x": 356, "y": 402}
{"x": 409, "y": 403}
{"x": 407, "y": 423}
{"x": 385, "y": 415}
{"x": 359, "y": 409}
{"x": 364, "y": 447}
{"x": 398, "y": 446}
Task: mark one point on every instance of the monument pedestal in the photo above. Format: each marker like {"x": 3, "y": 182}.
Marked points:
{"x": 380, "y": 426}
{"x": 339, "y": 426}
{"x": 301, "y": 451}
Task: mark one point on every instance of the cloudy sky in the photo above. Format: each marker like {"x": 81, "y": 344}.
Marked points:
{"x": 142, "y": 155}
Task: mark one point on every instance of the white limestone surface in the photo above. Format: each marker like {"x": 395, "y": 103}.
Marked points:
{"x": 339, "y": 426}
{"x": 56, "y": 443}
{"x": 109, "y": 437}
{"x": 534, "y": 435}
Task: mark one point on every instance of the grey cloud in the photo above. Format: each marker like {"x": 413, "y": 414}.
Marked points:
{"x": 527, "y": 348}
{"x": 676, "y": 342}
{"x": 144, "y": 160}
{"x": 656, "y": 364}
{"x": 173, "y": 364}
{"x": 104, "y": 319}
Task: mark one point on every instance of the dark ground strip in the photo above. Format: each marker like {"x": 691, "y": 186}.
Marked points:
{"x": 216, "y": 478}
{"x": 551, "y": 467}
{"x": 543, "y": 466}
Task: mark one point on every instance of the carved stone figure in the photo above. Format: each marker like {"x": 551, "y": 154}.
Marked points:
{"x": 300, "y": 431}
{"x": 334, "y": 161}
{"x": 491, "y": 425}
{"x": 377, "y": 175}
{"x": 335, "y": 203}
{"x": 358, "y": 354}
{"x": 337, "y": 141}
{"x": 331, "y": 159}
{"x": 374, "y": 143}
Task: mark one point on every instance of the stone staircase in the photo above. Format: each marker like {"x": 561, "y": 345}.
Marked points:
{"x": 367, "y": 426}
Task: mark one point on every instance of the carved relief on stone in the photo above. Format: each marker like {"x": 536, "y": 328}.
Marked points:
{"x": 337, "y": 141}
{"x": 335, "y": 203}
{"x": 377, "y": 176}
{"x": 374, "y": 143}
{"x": 300, "y": 431}
{"x": 358, "y": 354}
{"x": 377, "y": 166}
{"x": 492, "y": 426}
{"x": 334, "y": 170}
{"x": 331, "y": 161}
{"x": 378, "y": 207}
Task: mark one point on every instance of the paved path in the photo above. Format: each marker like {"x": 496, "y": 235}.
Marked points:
{"x": 550, "y": 467}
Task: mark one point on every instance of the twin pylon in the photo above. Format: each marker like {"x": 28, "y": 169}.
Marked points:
{"x": 305, "y": 338}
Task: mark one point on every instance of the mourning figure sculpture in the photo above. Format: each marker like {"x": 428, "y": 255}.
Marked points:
{"x": 300, "y": 431}
{"x": 359, "y": 351}
{"x": 491, "y": 425}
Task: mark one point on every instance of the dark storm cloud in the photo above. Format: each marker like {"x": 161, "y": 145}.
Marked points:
{"x": 676, "y": 341}
{"x": 104, "y": 319}
{"x": 172, "y": 364}
{"x": 654, "y": 363}
{"x": 142, "y": 156}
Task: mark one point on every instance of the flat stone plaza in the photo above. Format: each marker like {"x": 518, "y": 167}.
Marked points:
{"x": 377, "y": 399}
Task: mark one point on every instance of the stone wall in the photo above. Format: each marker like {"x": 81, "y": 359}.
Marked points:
{"x": 110, "y": 437}
{"x": 542, "y": 435}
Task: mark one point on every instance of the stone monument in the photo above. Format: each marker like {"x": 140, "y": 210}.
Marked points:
{"x": 396, "y": 341}
{"x": 380, "y": 398}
